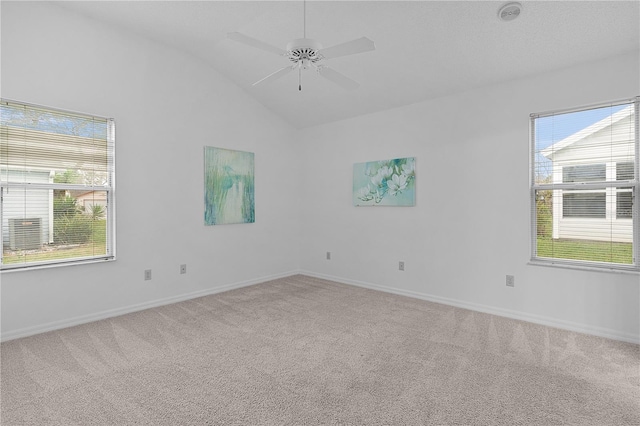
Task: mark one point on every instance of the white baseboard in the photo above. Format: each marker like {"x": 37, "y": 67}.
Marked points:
{"x": 523, "y": 316}
{"x": 83, "y": 319}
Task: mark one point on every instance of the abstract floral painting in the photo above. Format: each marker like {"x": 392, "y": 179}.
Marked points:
{"x": 385, "y": 183}
{"x": 228, "y": 186}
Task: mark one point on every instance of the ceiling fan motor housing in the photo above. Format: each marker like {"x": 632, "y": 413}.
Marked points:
{"x": 303, "y": 51}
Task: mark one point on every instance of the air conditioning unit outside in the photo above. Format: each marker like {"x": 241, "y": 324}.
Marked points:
{"x": 25, "y": 234}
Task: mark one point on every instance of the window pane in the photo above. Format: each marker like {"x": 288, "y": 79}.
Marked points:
{"x": 557, "y": 238}
{"x": 582, "y": 138}
{"x": 53, "y": 225}
{"x": 41, "y": 140}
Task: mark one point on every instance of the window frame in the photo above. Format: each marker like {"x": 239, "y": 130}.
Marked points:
{"x": 608, "y": 186}
{"x": 109, "y": 188}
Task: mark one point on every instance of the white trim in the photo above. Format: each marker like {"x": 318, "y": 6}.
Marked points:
{"x": 536, "y": 319}
{"x": 522, "y": 316}
{"x": 83, "y": 319}
{"x": 581, "y": 265}
{"x": 54, "y": 264}
{"x": 582, "y": 108}
{"x": 40, "y": 107}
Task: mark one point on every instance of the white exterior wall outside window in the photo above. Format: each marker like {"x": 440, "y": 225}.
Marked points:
{"x": 57, "y": 186}
{"x": 585, "y": 186}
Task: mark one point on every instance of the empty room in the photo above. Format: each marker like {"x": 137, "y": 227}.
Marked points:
{"x": 320, "y": 213}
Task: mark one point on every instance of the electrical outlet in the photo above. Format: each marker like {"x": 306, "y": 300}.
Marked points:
{"x": 401, "y": 266}
{"x": 183, "y": 269}
{"x": 511, "y": 281}
{"x": 147, "y": 274}
{"x": 328, "y": 255}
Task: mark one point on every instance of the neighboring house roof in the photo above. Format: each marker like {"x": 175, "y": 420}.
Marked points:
{"x": 549, "y": 151}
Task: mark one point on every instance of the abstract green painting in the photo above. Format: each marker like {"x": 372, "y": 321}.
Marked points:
{"x": 385, "y": 183}
{"x": 228, "y": 186}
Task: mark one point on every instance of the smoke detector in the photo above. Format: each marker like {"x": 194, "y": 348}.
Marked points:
{"x": 509, "y": 11}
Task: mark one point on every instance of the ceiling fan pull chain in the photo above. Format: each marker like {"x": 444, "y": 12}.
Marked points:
{"x": 299, "y": 79}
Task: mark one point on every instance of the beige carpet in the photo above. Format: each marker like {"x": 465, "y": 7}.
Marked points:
{"x": 305, "y": 351}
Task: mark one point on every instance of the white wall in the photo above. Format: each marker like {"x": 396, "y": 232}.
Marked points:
{"x": 167, "y": 107}
{"x": 470, "y": 226}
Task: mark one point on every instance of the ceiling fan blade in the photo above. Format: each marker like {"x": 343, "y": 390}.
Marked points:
{"x": 276, "y": 75}
{"x": 352, "y": 47}
{"x": 338, "y": 78}
{"x": 250, "y": 41}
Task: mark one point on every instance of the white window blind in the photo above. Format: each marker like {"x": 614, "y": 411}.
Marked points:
{"x": 56, "y": 186}
{"x": 584, "y": 186}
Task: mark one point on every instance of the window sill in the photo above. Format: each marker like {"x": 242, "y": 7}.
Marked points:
{"x": 56, "y": 265}
{"x": 604, "y": 269}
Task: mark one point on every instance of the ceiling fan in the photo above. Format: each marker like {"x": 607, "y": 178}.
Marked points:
{"x": 307, "y": 53}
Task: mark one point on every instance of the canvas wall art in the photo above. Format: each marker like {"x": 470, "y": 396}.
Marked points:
{"x": 228, "y": 186}
{"x": 385, "y": 183}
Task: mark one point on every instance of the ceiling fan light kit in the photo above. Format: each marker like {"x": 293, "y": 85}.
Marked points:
{"x": 307, "y": 53}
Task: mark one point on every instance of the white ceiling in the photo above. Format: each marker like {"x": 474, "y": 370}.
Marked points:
{"x": 424, "y": 49}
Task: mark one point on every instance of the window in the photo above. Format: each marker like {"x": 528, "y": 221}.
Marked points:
{"x": 56, "y": 186}
{"x": 584, "y": 187}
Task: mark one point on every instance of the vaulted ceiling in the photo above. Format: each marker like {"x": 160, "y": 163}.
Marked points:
{"x": 424, "y": 49}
